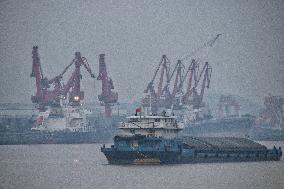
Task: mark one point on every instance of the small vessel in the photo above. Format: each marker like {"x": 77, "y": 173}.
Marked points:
{"x": 153, "y": 139}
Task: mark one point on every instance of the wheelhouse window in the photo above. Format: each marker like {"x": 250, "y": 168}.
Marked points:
{"x": 133, "y": 120}
{"x": 157, "y": 120}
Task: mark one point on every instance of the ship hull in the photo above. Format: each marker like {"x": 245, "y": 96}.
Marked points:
{"x": 18, "y": 131}
{"x": 233, "y": 127}
{"x": 187, "y": 150}
{"x": 266, "y": 134}
{"x": 43, "y": 137}
{"x": 134, "y": 158}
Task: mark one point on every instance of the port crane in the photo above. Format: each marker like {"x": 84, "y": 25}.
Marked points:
{"x": 177, "y": 92}
{"x": 162, "y": 97}
{"x": 194, "y": 75}
{"x": 198, "y": 97}
{"x": 44, "y": 95}
{"x": 73, "y": 86}
{"x": 191, "y": 74}
{"x": 162, "y": 93}
{"x": 51, "y": 97}
{"x": 107, "y": 97}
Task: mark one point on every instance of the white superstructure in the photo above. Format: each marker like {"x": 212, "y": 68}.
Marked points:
{"x": 72, "y": 119}
{"x": 157, "y": 125}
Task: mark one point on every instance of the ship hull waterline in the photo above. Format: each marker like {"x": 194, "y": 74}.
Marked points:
{"x": 150, "y": 157}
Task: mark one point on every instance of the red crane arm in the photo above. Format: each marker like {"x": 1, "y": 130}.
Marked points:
{"x": 150, "y": 84}
{"x": 192, "y": 69}
{"x": 87, "y": 66}
{"x": 37, "y": 72}
{"x": 75, "y": 77}
{"x": 70, "y": 83}
{"x": 164, "y": 72}
{"x": 107, "y": 97}
{"x": 160, "y": 85}
{"x": 206, "y": 80}
{"x": 178, "y": 78}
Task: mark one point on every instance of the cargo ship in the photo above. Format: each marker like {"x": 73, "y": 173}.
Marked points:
{"x": 153, "y": 139}
{"x": 62, "y": 125}
{"x": 16, "y": 117}
{"x": 234, "y": 126}
{"x": 228, "y": 122}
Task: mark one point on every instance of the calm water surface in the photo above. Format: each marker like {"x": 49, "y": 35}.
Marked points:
{"x": 84, "y": 166}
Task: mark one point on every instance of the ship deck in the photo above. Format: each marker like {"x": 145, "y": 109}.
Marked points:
{"x": 222, "y": 143}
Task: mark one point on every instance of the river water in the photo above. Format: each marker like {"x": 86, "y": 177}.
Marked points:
{"x": 84, "y": 166}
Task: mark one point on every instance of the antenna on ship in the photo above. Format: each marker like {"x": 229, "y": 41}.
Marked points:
{"x": 150, "y": 104}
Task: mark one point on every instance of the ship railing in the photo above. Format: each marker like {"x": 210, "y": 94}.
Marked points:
{"x": 139, "y": 125}
{"x": 143, "y": 125}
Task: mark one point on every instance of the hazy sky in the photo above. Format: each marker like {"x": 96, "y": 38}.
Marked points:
{"x": 247, "y": 60}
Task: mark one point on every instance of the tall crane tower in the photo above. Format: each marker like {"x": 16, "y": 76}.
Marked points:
{"x": 158, "y": 97}
{"x": 107, "y": 97}
{"x": 177, "y": 92}
{"x": 73, "y": 84}
{"x": 44, "y": 95}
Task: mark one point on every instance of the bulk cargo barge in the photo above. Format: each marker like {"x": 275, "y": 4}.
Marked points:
{"x": 153, "y": 139}
{"x": 139, "y": 149}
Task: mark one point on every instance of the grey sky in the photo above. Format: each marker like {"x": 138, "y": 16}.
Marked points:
{"x": 248, "y": 60}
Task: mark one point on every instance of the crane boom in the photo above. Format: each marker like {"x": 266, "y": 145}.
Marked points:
{"x": 192, "y": 70}
{"x": 209, "y": 43}
{"x": 74, "y": 81}
{"x": 37, "y": 71}
{"x": 177, "y": 88}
